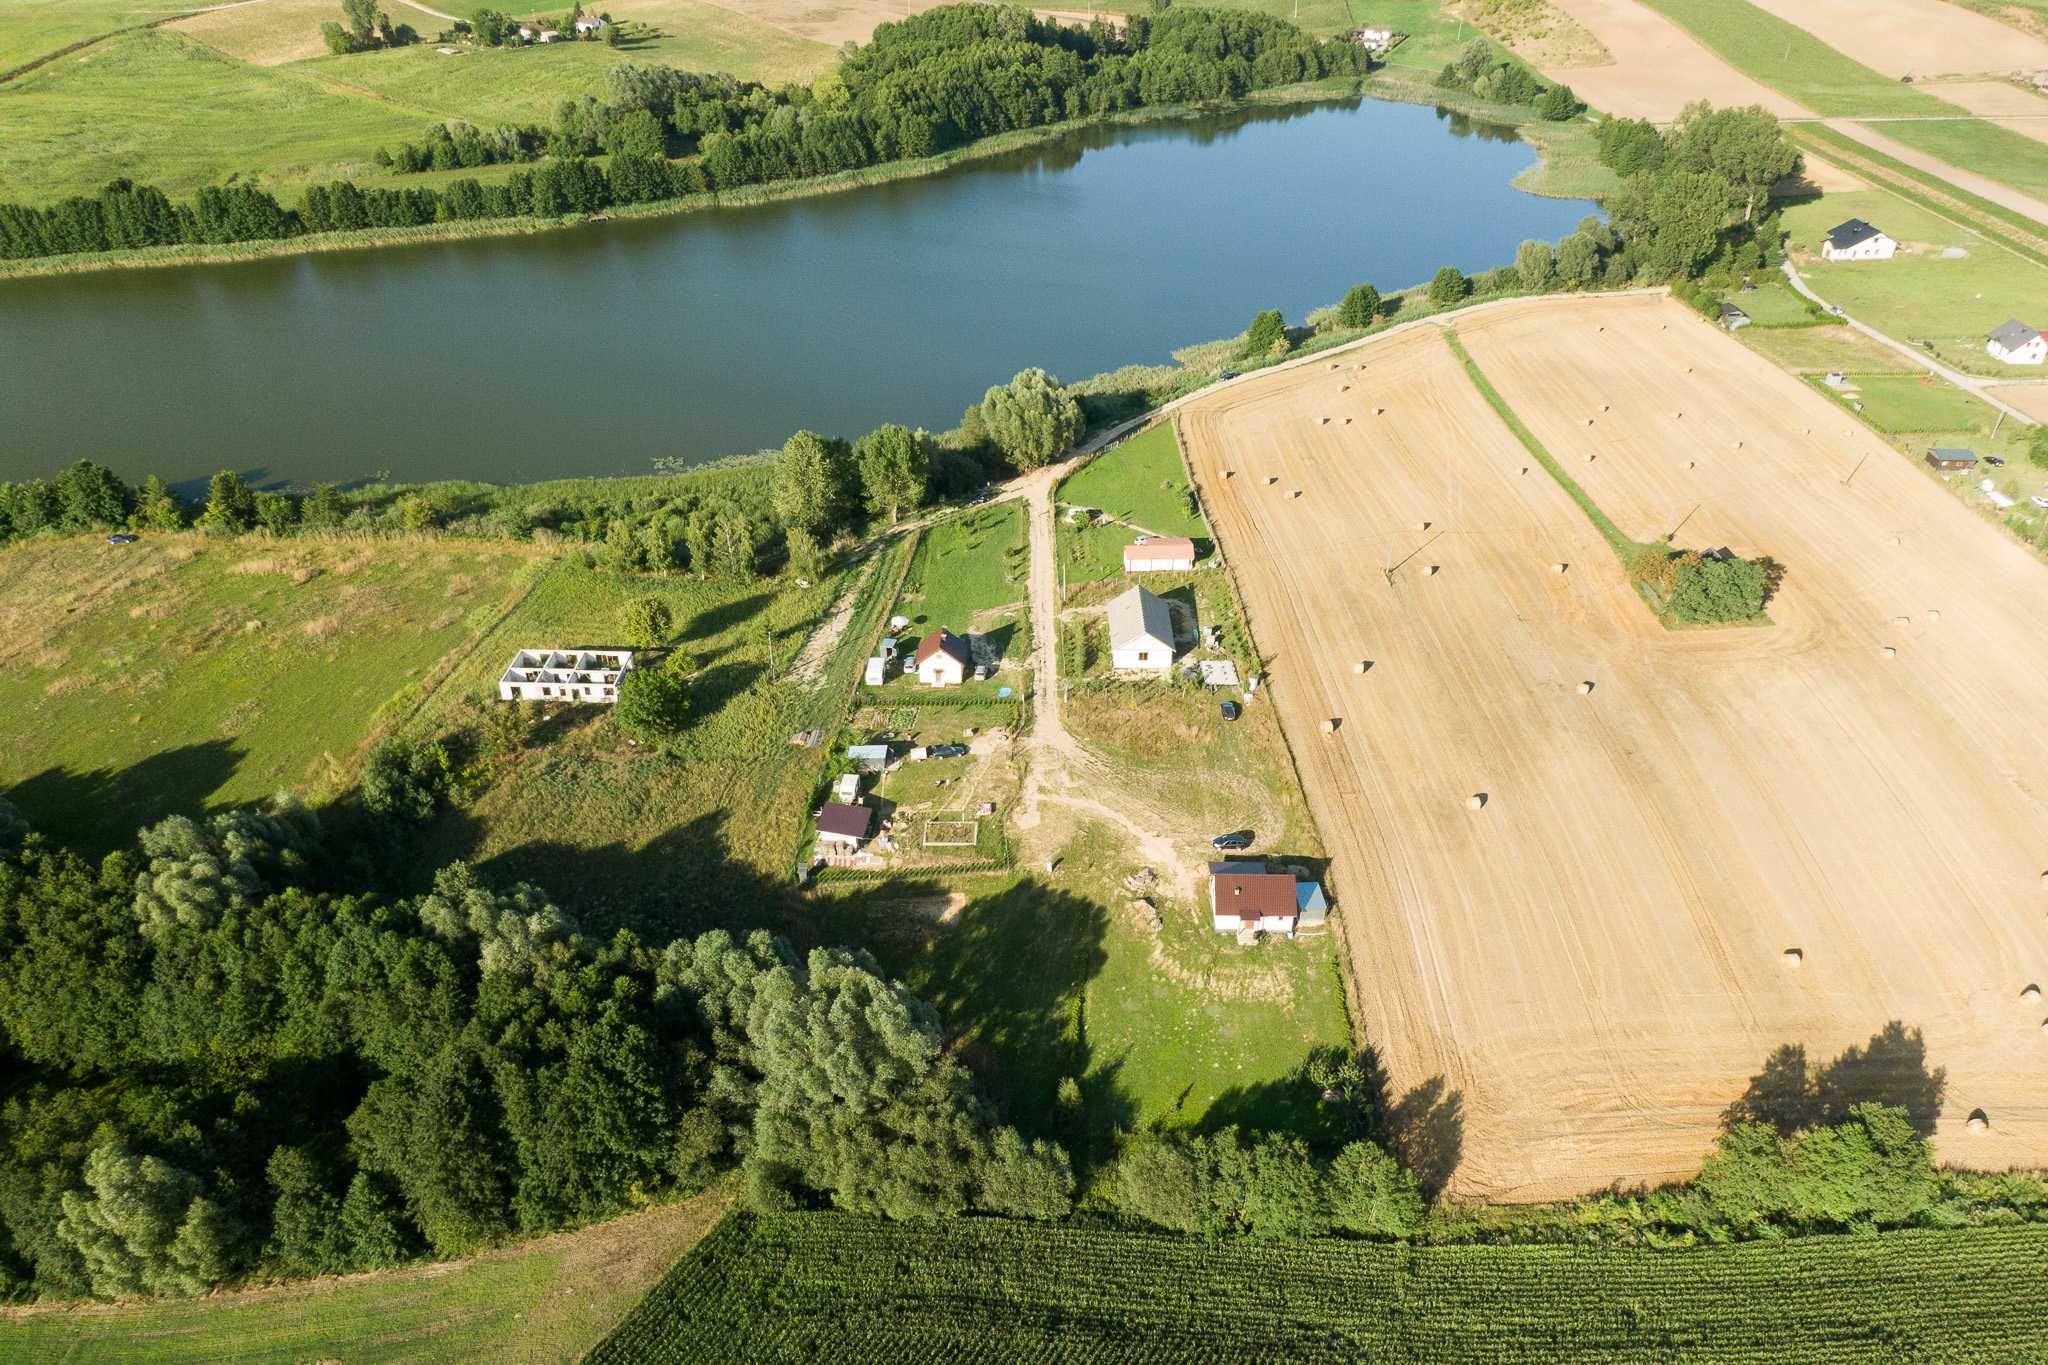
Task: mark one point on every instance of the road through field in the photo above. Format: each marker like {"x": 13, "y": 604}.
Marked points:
{"x": 1587, "y": 969}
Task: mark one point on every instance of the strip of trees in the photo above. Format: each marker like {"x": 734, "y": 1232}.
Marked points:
{"x": 928, "y": 84}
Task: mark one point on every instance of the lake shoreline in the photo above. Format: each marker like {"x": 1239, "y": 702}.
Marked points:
{"x": 1540, "y": 179}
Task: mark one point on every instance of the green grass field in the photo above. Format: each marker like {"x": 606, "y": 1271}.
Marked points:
{"x": 1899, "y": 404}
{"x": 549, "y": 1300}
{"x": 965, "y": 568}
{"x": 798, "y": 1287}
{"x": 181, "y": 673}
{"x": 1918, "y": 296}
{"x": 34, "y": 28}
{"x": 624, "y": 834}
{"x": 1794, "y": 62}
{"x": 1140, "y": 483}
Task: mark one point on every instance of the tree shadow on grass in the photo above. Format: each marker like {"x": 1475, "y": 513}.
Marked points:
{"x": 1790, "y": 1094}
{"x": 100, "y": 810}
{"x": 717, "y": 620}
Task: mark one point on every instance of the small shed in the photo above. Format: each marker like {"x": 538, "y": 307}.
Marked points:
{"x": 844, "y": 828}
{"x": 1140, "y": 633}
{"x": 1733, "y": 318}
{"x": 1160, "y": 554}
{"x": 1313, "y": 906}
{"x": 869, "y": 758}
{"x": 1951, "y": 457}
{"x": 877, "y": 671}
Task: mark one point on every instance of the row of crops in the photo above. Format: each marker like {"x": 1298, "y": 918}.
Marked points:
{"x": 840, "y": 1288}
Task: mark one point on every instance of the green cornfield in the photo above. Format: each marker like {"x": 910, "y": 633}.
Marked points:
{"x": 846, "y": 1289}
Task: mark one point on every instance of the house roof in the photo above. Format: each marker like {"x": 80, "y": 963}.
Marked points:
{"x": 869, "y": 756}
{"x": 1845, "y": 235}
{"x": 1161, "y": 547}
{"x": 848, "y": 822}
{"x": 946, "y": 640}
{"x": 1309, "y": 896}
{"x": 1729, "y": 310}
{"x": 2013, "y": 334}
{"x": 1139, "y": 615}
{"x": 1954, "y": 453}
{"x": 1254, "y": 895}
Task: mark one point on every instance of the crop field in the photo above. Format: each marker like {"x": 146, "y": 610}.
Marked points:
{"x": 1658, "y": 67}
{"x": 544, "y": 1301}
{"x": 800, "y": 1287}
{"x": 273, "y": 32}
{"x": 1912, "y": 37}
{"x": 1594, "y": 960}
{"x": 181, "y": 673}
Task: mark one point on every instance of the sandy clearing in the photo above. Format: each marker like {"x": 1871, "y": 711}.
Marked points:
{"x": 1913, "y": 37}
{"x": 828, "y": 21}
{"x": 1592, "y": 961}
{"x": 1869, "y": 135}
{"x": 1658, "y": 67}
{"x": 2005, "y": 104}
{"x": 2032, "y": 399}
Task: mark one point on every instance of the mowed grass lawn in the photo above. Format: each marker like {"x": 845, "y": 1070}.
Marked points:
{"x": 1919, "y": 296}
{"x": 550, "y": 1300}
{"x": 667, "y": 841}
{"x": 181, "y": 674}
{"x": 1792, "y": 61}
{"x": 1140, "y": 483}
{"x": 1898, "y": 404}
{"x": 967, "y": 567}
{"x": 35, "y": 28}
{"x": 165, "y": 109}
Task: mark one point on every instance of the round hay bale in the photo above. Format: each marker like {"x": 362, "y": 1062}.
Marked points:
{"x": 1895, "y": 542}
{"x": 1379, "y": 412}
{"x": 1933, "y": 614}
{"x": 1738, "y": 445}
{"x": 1322, "y": 421}
{"x": 1890, "y": 653}
{"x": 1523, "y": 470}
{"x": 1806, "y": 431}
{"x": 1663, "y": 326}
{"x": 1342, "y": 388}
{"x": 1601, "y": 328}
{"x": 1676, "y": 415}
{"x": 1902, "y": 620}
{"x": 1272, "y": 479}
{"x": 1688, "y": 464}
{"x": 1230, "y": 473}
{"x": 1688, "y": 369}
{"x": 1589, "y": 421}
{"x": 1793, "y": 957}
{"x": 1586, "y": 688}
{"x": 1979, "y": 1121}
{"x": 1361, "y": 665}
{"x": 1333, "y": 364}
{"x": 1603, "y": 407}
{"x": 1430, "y": 569}
{"x": 1294, "y": 492}
{"x": 1558, "y": 566}
{"x": 1330, "y": 726}
{"x": 2031, "y": 993}
{"x": 1422, "y": 526}
{"x": 1590, "y": 457}
{"x": 1476, "y": 801}
{"x": 1347, "y": 421}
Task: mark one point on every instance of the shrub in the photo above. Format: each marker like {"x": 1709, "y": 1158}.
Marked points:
{"x": 1267, "y": 331}
{"x": 1448, "y": 286}
{"x": 645, "y": 621}
{"x": 404, "y": 781}
{"x": 1360, "y": 306}
{"x": 653, "y": 703}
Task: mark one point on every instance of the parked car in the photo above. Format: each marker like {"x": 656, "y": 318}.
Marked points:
{"x": 122, "y": 538}
{"x": 2038, "y": 500}
{"x": 1228, "y": 374}
{"x": 1230, "y": 710}
{"x": 1234, "y": 842}
{"x": 1995, "y": 460}
{"x": 910, "y": 663}
{"x": 946, "y": 751}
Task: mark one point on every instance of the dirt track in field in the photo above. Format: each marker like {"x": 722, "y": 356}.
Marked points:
{"x": 1593, "y": 961}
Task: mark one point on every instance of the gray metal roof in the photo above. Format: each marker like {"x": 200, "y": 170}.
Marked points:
{"x": 1845, "y": 235}
{"x": 2013, "y": 334}
{"x": 1137, "y": 614}
{"x": 1953, "y": 453}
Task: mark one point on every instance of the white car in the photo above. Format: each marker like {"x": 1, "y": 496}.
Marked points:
{"x": 2038, "y": 500}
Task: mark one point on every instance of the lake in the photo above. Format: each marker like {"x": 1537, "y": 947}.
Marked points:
{"x": 598, "y": 349}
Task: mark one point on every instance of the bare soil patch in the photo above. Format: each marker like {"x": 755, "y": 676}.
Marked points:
{"x": 1593, "y": 960}
{"x": 2031, "y": 399}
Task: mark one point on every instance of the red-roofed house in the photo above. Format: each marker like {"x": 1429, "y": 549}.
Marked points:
{"x": 1247, "y": 896}
{"x": 942, "y": 659}
{"x": 1160, "y": 554}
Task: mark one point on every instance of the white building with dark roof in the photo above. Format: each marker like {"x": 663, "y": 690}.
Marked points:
{"x": 579, "y": 675}
{"x": 2017, "y": 344}
{"x": 1857, "y": 240}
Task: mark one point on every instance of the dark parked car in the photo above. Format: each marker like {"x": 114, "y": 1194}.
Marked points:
{"x": 1234, "y": 842}
{"x": 1230, "y": 710}
{"x": 946, "y": 751}
{"x": 123, "y": 538}
{"x": 1994, "y": 460}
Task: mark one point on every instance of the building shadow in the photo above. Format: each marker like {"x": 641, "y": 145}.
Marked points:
{"x": 1790, "y": 1093}
{"x": 98, "y": 810}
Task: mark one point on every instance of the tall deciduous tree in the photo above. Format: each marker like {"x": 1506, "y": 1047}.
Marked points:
{"x": 1360, "y": 306}
{"x": 1744, "y": 147}
{"x": 1032, "y": 419}
{"x": 895, "y": 469}
{"x": 814, "y": 483}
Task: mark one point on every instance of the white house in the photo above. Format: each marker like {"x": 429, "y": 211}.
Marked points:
{"x": 1140, "y": 633}
{"x": 1857, "y": 240}
{"x": 591, "y": 675}
{"x": 942, "y": 659}
{"x": 843, "y": 829}
{"x": 589, "y": 23}
{"x": 1245, "y": 895}
{"x": 2017, "y": 344}
{"x": 1373, "y": 38}
{"x": 1160, "y": 554}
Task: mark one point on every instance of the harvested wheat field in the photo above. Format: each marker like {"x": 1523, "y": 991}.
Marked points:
{"x": 1913, "y": 37}
{"x": 1657, "y": 68}
{"x": 1573, "y": 907}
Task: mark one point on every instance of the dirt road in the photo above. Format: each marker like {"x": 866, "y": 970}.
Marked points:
{"x": 1592, "y": 964}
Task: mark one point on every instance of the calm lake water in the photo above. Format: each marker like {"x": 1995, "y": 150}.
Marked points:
{"x": 599, "y": 349}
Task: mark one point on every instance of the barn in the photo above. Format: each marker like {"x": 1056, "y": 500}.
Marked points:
{"x": 1140, "y": 633}
{"x": 1160, "y": 554}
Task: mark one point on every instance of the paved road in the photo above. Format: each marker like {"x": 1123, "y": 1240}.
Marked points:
{"x": 1920, "y": 358}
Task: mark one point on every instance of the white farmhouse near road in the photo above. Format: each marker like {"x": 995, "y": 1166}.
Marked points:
{"x": 942, "y": 659}
{"x": 2017, "y": 344}
{"x": 591, "y": 675}
{"x": 1140, "y": 633}
{"x": 1857, "y": 240}
{"x": 1160, "y": 554}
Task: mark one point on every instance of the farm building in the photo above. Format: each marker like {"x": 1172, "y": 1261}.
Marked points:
{"x": 589, "y": 23}
{"x": 2017, "y": 344}
{"x": 1160, "y": 554}
{"x": 1857, "y": 240}
{"x": 943, "y": 659}
{"x": 565, "y": 675}
{"x": 1247, "y": 895}
{"x": 1140, "y": 633}
{"x": 869, "y": 758}
{"x": 1949, "y": 457}
{"x": 1733, "y": 318}
{"x": 843, "y": 828}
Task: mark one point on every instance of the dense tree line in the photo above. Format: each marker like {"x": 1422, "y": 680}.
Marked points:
{"x": 1695, "y": 197}
{"x": 933, "y": 82}
{"x": 1480, "y": 70}
{"x": 224, "y": 1061}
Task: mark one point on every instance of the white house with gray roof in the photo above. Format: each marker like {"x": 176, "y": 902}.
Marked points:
{"x": 580, "y": 675}
{"x": 2017, "y": 344}
{"x": 1140, "y": 633}
{"x": 1857, "y": 240}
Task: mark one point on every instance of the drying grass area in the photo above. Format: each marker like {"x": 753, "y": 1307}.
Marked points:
{"x": 180, "y": 673}
{"x": 1920, "y": 296}
{"x": 165, "y": 109}
{"x": 273, "y": 32}
{"x": 2028, "y": 16}
{"x": 1537, "y": 31}
{"x": 1806, "y": 350}
{"x": 544, "y": 1301}
{"x": 625, "y": 834}
{"x": 1592, "y": 962}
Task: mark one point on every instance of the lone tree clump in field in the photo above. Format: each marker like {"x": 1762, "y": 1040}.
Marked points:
{"x": 1267, "y": 336}
{"x": 1032, "y": 419}
{"x": 1360, "y": 306}
{"x": 653, "y": 703}
{"x": 1709, "y": 590}
{"x": 645, "y": 621}
{"x": 1448, "y": 286}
